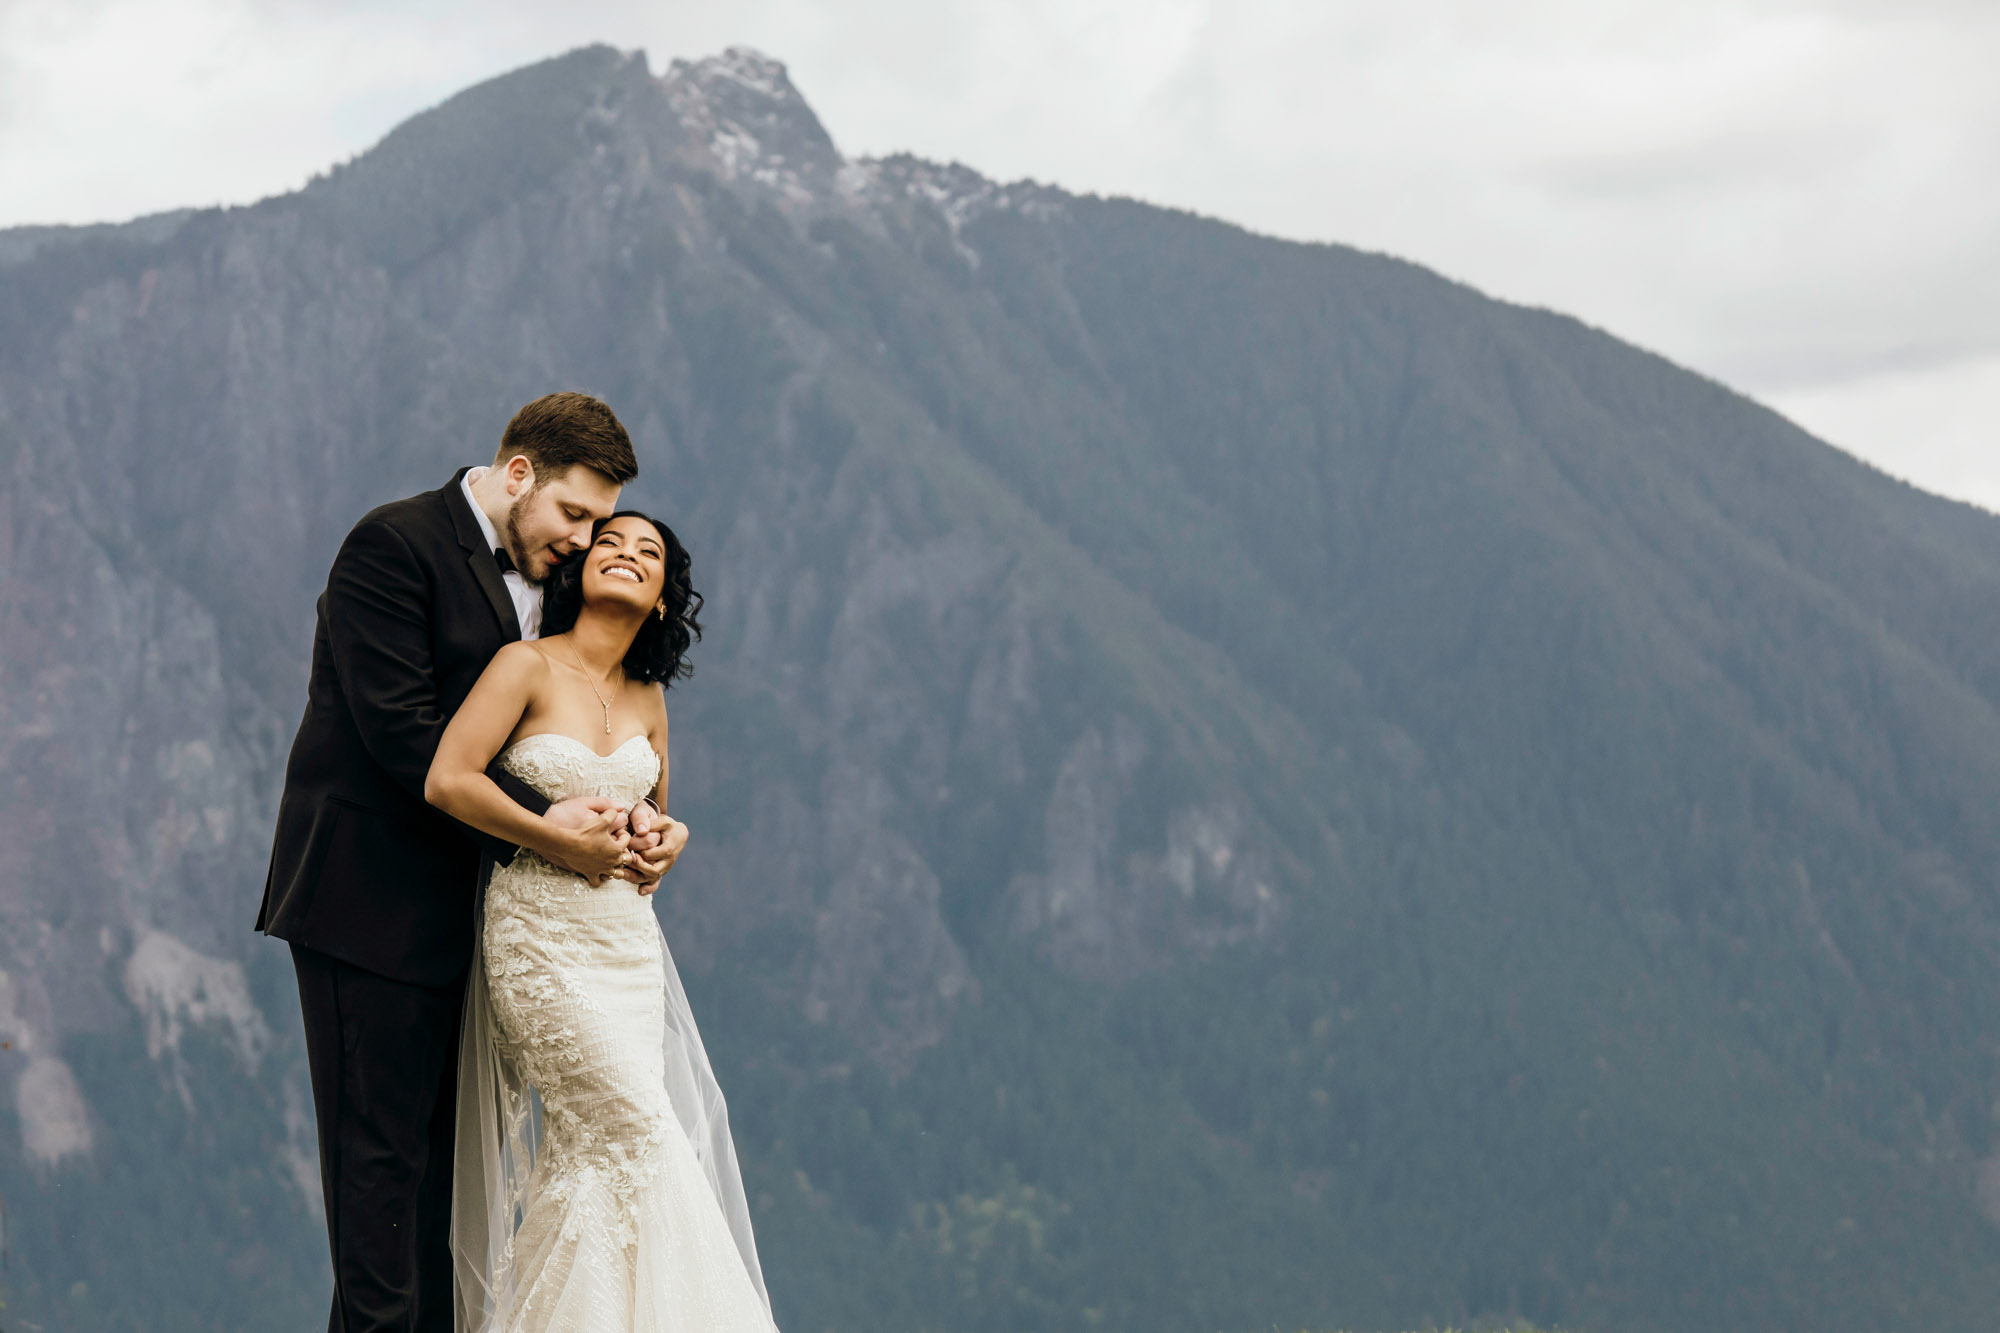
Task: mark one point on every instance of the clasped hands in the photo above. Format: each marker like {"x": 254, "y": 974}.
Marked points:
{"x": 603, "y": 840}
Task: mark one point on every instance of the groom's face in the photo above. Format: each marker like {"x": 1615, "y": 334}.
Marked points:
{"x": 550, "y": 518}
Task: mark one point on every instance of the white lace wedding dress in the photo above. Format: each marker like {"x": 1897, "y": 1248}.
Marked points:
{"x": 596, "y": 1187}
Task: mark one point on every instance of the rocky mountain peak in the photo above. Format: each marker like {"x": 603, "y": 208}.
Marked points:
{"x": 743, "y": 106}
{"x": 958, "y": 194}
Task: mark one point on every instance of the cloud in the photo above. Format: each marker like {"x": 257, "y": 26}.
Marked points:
{"x": 1932, "y": 425}
{"x": 1801, "y": 197}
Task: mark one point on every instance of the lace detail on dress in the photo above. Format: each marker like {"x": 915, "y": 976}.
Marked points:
{"x": 619, "y": 1216}
{"x": 530, "y": 938}
{"x": 561, "y": 767}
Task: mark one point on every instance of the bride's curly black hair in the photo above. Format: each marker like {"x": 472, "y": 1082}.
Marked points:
{"x": 659, "y": 650}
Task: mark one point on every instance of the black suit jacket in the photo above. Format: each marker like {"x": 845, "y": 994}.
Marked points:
{"x": 362, "y": 868}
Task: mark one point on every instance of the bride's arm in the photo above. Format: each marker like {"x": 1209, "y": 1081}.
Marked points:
{"x": 656, "y": 736}
{"x": 458, "y": 785}
{"x": 657, "y": 859}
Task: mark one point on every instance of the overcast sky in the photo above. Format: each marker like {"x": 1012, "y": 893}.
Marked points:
{"x": 1799, "y": 197}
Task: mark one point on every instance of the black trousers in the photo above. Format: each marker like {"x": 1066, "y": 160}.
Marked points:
{"x": 384, "y": 1060}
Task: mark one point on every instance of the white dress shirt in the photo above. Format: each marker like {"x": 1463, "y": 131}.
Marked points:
{"x": 527, "y": 596}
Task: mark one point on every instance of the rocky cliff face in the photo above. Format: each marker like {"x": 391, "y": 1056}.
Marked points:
{"x": 1224, "y": 774}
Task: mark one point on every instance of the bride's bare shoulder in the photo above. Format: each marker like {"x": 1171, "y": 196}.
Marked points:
{"x": 655, "y": 706}
{"x": 519, "y": 663}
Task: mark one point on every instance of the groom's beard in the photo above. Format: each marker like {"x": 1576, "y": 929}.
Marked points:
{"x": 534, "y": 565}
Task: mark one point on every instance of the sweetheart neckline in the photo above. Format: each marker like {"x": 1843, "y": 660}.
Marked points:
{"x": 585, "y": 746}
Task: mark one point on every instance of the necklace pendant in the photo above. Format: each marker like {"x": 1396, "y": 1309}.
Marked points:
{"x": 607, "y": 721}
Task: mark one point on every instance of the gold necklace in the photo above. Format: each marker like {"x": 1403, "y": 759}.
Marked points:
{"x": 602, "y": 702}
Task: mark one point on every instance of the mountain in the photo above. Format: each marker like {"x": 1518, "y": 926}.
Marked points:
{"x": 1234, "y": 783}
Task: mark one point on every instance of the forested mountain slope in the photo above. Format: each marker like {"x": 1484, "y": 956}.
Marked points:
{"x": 1233, "y": 783}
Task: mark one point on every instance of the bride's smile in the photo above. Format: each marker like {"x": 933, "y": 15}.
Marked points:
{"x": 626, "y": 564}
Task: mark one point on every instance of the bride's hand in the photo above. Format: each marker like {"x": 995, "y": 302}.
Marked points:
{"x": 657, "y": 845}
{"x": 647, "y": 826}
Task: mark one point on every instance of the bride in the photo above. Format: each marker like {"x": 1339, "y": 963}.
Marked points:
{"x": 595, "y": 1186}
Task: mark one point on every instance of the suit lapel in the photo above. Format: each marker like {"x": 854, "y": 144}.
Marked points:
{"x": 479, "y": 556}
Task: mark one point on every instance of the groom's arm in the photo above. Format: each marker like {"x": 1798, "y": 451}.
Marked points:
{"x": 378, "y": 612}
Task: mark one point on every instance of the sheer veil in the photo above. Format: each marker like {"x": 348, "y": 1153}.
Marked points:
{"x": 499, "y": 1132}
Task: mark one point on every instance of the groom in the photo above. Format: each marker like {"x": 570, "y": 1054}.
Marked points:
{"x": 375, "y": 890}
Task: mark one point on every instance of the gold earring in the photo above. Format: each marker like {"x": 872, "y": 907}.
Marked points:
{"x": 663, "y": 613}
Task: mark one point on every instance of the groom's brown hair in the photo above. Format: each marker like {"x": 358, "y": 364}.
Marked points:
{"x": 559, "y": 431}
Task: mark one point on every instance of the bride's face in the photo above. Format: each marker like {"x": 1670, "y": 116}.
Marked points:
{"x": 625, "y": 565}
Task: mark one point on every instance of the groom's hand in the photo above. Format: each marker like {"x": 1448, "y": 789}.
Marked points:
{"x": 580, "y": 811}
{"x": 598, "y": 835}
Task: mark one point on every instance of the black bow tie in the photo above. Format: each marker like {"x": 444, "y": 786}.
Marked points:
{"x": 505, "y": 561}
